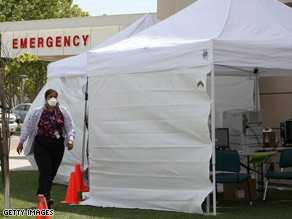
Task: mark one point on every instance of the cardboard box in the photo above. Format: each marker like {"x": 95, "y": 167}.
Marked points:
{"x": 269, "y": 139}
{"x": 239, "y": 191}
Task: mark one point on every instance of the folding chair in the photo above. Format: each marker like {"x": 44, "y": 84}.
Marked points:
{"x": 228, "y": 169}
{"x": 285, "y": 161}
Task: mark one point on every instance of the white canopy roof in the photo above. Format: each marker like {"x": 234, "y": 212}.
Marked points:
{"x": 76, "y": 65}
{"x": 256, "y": 33}
{"x": 249, "y": 33}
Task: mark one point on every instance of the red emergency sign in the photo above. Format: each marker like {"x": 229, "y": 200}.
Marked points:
{"x": 56, "y": 41}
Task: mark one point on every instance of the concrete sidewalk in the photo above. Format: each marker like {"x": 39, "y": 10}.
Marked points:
{"x": 17, "y": 162}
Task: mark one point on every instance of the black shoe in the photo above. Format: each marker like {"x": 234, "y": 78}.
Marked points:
{"x": 50, "y": 202}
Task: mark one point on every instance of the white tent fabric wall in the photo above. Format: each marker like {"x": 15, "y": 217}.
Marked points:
{"x": 68, "y": 77}
{"x": 149, "y": 142}
{"x": 232, "y": 92}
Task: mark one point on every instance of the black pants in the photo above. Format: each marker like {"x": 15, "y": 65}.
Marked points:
{"x": 48, "y": 153}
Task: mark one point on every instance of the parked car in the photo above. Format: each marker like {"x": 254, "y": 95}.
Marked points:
{"x": 12, "y": 122}
{"x": 21, "y": 110}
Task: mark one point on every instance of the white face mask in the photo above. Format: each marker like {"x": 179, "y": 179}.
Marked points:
{"x": 53, "y": 101}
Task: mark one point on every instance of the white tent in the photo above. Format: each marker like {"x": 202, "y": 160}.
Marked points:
{"x": 76, "y": 65}
{"x": 68, "y": 77}
{"x": 149, "y": 140}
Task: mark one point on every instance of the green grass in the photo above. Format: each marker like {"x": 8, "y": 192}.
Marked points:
{"x": 24, "y": 185}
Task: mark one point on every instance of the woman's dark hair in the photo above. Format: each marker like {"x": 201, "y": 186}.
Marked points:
{"x": 49, "y": 91}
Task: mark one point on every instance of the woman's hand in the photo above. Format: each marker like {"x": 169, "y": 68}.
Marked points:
{"x": 19, "y": 148}
{"x": 70, "y": 145}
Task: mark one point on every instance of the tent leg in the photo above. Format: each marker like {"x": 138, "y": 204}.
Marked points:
{"x": 257, "y": 92}
{"x": 208, "y": 205}
{"x": 213, "y": 138}
{"x": 266, "y": 187}
{"x": 84, "y": 161}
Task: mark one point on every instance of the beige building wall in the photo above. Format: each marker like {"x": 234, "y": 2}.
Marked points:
{"x": 166, "y": 8}
{"x": 276, "y": 100}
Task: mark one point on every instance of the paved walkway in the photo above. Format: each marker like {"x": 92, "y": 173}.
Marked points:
{"x": 17, "y": 162}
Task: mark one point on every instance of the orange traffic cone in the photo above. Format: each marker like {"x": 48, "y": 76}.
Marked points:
{"x": 42, "y": 204}
{"x": 72, "y": 193}
{"x": 79, "y": 179}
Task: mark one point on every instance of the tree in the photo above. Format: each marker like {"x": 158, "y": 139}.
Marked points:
{"x": 4, "y": 153}
{"x": 11, "y": 69}
{"x": 4, "y": 144}
{"x": 29, "y": 65}
{"x": 19, "y": 10}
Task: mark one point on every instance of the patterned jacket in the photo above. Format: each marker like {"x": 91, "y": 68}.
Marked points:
{"x": 30, "y": 128}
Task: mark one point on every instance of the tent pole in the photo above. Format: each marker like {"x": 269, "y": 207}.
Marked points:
{"x": 213, "y": 137}
{"x": 257, "y": 91}
{"x": 235, "y": 68}
{"x": 84, "y": 145}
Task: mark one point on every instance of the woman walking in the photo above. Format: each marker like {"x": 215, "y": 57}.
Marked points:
{"x": 49, "y": 128}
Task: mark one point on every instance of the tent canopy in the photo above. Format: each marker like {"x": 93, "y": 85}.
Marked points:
{"x": 76, "y": 65}
{"x": 250, "y": 33}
